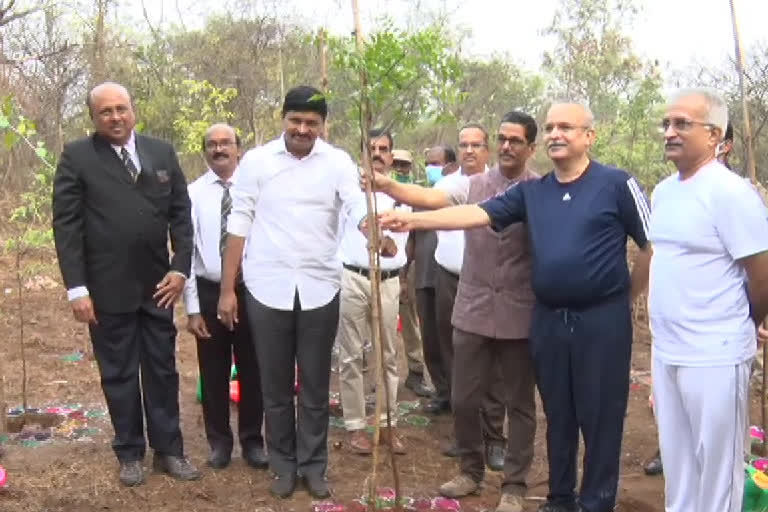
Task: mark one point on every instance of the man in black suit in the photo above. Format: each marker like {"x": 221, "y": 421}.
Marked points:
{"x": 116, "y": 196}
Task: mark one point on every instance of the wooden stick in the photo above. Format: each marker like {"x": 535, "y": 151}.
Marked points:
{"x": 751, "y": 172}
{"x": 382, "y": 391}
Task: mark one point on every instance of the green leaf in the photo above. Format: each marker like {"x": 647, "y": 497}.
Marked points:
{"x": 41, "y": 152}
{"x": 10, "y": 139}
{"x": 4, "y": 123}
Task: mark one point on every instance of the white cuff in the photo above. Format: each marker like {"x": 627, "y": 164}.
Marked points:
{"x": 77, "y": 292}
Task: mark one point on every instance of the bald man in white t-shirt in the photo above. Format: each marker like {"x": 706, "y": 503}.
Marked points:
{"x": 708, "y": 292}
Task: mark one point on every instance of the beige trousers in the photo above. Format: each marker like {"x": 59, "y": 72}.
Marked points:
{"x": 354, "y": 329}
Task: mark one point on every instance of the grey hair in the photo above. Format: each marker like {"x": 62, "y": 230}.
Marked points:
{"x": 717, "y": 108}
{"x": 574, "y": 101}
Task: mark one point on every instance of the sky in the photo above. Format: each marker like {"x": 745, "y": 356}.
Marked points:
{"x": 677, "y": 33}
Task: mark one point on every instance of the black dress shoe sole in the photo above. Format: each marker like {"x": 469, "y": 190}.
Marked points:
{"x": 319, "y": 494}
{"x": 283, "y": 493}
{"x": 218, "y": 464}
{"x": 256, "y": 464}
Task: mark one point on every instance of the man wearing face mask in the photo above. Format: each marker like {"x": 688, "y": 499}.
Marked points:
{"x": 491, "y": 316}
{"x": 402, "y": 164}
{"x": 211, "y": 206}
{"x": 438, "y": 160}
{"x": 355, "y": 313}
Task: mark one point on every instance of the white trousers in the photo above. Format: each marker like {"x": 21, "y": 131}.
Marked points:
{"x": 701, "y": 414}
{"x": 354, "y": 329}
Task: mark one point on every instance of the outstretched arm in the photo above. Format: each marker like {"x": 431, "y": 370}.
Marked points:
{"x": 455, "y": 217}
{"x": 410, "y": 194}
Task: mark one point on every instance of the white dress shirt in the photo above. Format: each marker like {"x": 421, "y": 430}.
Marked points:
{"x": 354, "y": 246}
{"x": 130, "y": 146}
{"x": 290, "y": 209}
{"x": 450, "y": 244}
{"x": 205, "y": 193}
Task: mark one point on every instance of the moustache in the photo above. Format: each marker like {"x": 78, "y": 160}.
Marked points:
{"x": 220, "y": 155}
{"x": 378, "y": 159}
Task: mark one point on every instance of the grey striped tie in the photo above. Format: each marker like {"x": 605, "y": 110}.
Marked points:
{"x": 128, "y": 162}
{"x": 226, "y": 208}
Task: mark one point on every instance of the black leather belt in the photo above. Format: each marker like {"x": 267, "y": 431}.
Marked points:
{"x": 385, "y": 274}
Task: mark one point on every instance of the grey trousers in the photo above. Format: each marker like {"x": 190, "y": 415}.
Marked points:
{"x": 297, "y": 438}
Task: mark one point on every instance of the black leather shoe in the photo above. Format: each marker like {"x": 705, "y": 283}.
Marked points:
{"x": 452, "y": 450}
{"x": 177, "y": 467}
{"x": 219, "y": 458}
{"x": 283, "y": 485}
{"x": 437, "y": 406}
{"x": 415, "y": 382}
{"x": 494, "y": 455}
{"x": 255, "y": 457}
{"x": 317, "y": 486}
{"x": 131, "y": 473}
{"x": 654, "y": 467}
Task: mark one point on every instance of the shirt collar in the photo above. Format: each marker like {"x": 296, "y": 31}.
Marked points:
{"x": 130, "y": 144}
{"x": 461, "y": 170}
{"x": 318, "y": 148}
{"x": 210, "y": 177}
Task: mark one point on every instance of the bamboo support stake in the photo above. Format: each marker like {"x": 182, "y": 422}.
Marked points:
{"x": 382, "y": 391}
{"x": 751, "y": 172}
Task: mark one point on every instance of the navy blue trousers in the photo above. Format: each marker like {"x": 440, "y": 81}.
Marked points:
{"x": 582, "y": 359}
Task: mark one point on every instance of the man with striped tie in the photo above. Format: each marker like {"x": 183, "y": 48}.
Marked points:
{"x": 118, "y": 197}
{"x": 211, "y": 205}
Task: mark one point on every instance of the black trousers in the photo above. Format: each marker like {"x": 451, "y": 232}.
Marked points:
{"x": 126, "y": 344}
{"x": 582, "y": 361}
{"x": 214, "y": 356}
{"x": 297, "y": 441}
{"x": 492, "y": 409}
{"x": 433, "y": 356}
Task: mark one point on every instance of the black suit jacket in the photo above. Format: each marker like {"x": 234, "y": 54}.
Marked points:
{"x": 112, "y": 234}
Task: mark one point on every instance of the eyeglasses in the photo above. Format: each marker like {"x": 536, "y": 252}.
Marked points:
{"x": 681, "y": 125}
{"x": 513, "y": 141}
{"x": 564, "y": 128}
{"x": 213, "y": 145}
{"x": 474, "y": 145}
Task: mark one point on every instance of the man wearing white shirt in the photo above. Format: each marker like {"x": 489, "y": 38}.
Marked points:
{"x": 211, "y": 205}
{"x": 355, "y": 323}
{"x": 449, "y": 255}
{"x": 288, "y": 201}
{"x": 708, "y": 292}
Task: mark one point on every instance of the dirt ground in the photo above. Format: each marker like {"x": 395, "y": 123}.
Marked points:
{"x": 64, "y": 475}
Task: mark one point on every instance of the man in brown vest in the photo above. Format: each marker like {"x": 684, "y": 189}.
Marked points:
{"x": 491, "y": 316}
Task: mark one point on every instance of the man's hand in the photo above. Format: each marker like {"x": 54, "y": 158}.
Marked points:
{"x": 403, "y": 291}
{"x": 387, "y": 247}
{"x": 169, "y": 289}
{"x": 196, "y": 325}
{"x": 82, "y": 310}
{"x": 227, "y": 309}
{"x": 762, "y": 335}
{"x": 381, "y": 182}
{"x": 396, "y": 220}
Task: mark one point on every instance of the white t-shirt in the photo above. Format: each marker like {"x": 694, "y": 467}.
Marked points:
{"x": 450, "y": 244}
{"x": 698, "y": 304}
